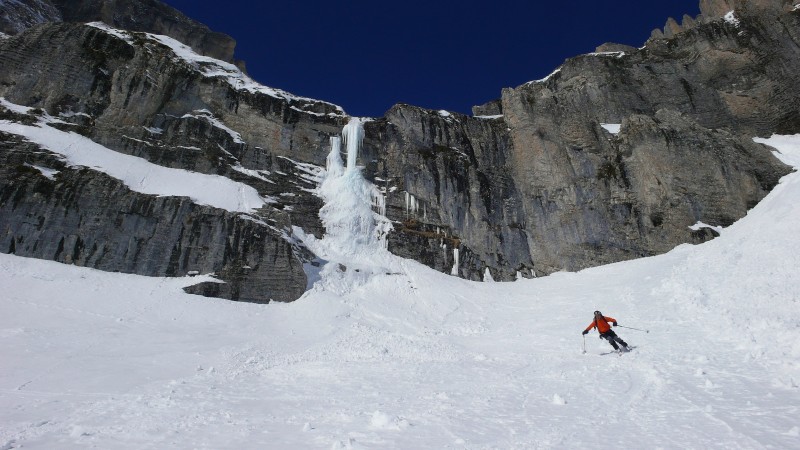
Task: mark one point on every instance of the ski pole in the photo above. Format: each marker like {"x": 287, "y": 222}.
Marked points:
{"x": 584, "y": 343}
{"x": 631, "y": 328}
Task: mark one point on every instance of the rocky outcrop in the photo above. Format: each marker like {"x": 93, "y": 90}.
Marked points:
{"x": 80, "y": 216}
{"x": 711, "y": 10}
{"x": 17, "y": 16}
{"x": 714, "y": 9}
{"x": 132, "y": 94}
{"x": 610, "y": 47}
{"x": 450, "y": 188}
{"x": 560, "y": 193}
{"x": 151, "y": 16}
{"x": 124, "y": 86}
{"x": 580, "y": 195}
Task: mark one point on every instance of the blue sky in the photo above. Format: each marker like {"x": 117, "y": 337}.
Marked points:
{"x": 368, "y": 55}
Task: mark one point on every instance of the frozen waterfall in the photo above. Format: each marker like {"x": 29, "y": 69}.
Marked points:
{"x": 354, "y": 210}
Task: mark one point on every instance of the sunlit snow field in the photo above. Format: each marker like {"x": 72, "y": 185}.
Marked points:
{"x": 396, "y": 355}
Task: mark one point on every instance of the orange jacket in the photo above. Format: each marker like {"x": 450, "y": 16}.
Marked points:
{"x": 601, "y": 324}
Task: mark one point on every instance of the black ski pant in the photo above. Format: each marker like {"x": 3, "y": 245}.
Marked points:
{"x": 612, "y": 339}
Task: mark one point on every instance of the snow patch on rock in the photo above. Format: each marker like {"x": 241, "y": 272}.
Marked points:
{"x": 731, "y": 18}
{"x": 138, "y": 174}
{"x": 612, "y": 128}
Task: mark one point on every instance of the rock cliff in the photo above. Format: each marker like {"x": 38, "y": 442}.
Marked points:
{"x": 17, "y": 16}
{"x": 149, "y": 16}
{"x": 613, "y": 156}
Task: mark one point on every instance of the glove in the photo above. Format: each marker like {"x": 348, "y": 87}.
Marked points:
{"x": 614, "y": 323}
{"x": 585, "y": 332}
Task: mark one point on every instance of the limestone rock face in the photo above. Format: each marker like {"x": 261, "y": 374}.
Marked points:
{"x": 609, "y": 47}
{"x": 613, "y": 156}
{"x": 135, "y": 97}
{"x": 19, "y": 15}
{"x": 83, "y": 217}
{"x": 150, "y": 16}
{"x": 126, "y": 86}
{"x": 713, "y": 9}
{"x": 450, "y": 187}
{"x": 572, "y": 194}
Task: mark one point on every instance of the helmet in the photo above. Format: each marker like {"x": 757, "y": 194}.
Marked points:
{"x": 597, "y": 313}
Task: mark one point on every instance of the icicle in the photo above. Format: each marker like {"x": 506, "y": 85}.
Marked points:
{"x": 454, "y": 270}
{"x": 412, "y": 205}
{"x": 353, "y": 136}
{"x": 334, "y": 163}
{"x": 379, "y": 202}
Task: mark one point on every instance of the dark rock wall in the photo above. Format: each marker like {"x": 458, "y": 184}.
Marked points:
{"x": 17, "y": 16}
{"x": 150, "y": 16}
{"x": 86, "y": 218}
{"x": 457, "y": 170}
{"x": 136, "y": 98}
{"x": 566, "y": 194}
{"x": 125, "y": 87}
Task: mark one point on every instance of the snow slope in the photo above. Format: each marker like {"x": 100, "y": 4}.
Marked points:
{"x": 395, "y": 355}
{"x": 137, "y": 173}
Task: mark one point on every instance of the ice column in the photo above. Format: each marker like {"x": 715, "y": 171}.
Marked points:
{"x": 353, "y": 135}
{"x": 334, "y": 162}
{"x": 412, "y": 205}
{"x": 487, "y": 276}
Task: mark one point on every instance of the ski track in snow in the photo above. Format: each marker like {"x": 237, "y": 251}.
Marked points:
{"x": 418, "y": 359}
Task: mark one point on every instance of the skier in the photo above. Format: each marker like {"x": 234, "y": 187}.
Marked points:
{"x": 601, "y": 323}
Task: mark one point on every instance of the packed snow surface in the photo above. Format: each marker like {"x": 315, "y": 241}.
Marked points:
{"x": 386, "y": 353}
{"x": 139, "y": 174}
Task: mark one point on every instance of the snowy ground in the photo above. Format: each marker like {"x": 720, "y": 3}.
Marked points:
{"x": 399, "y": 356}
